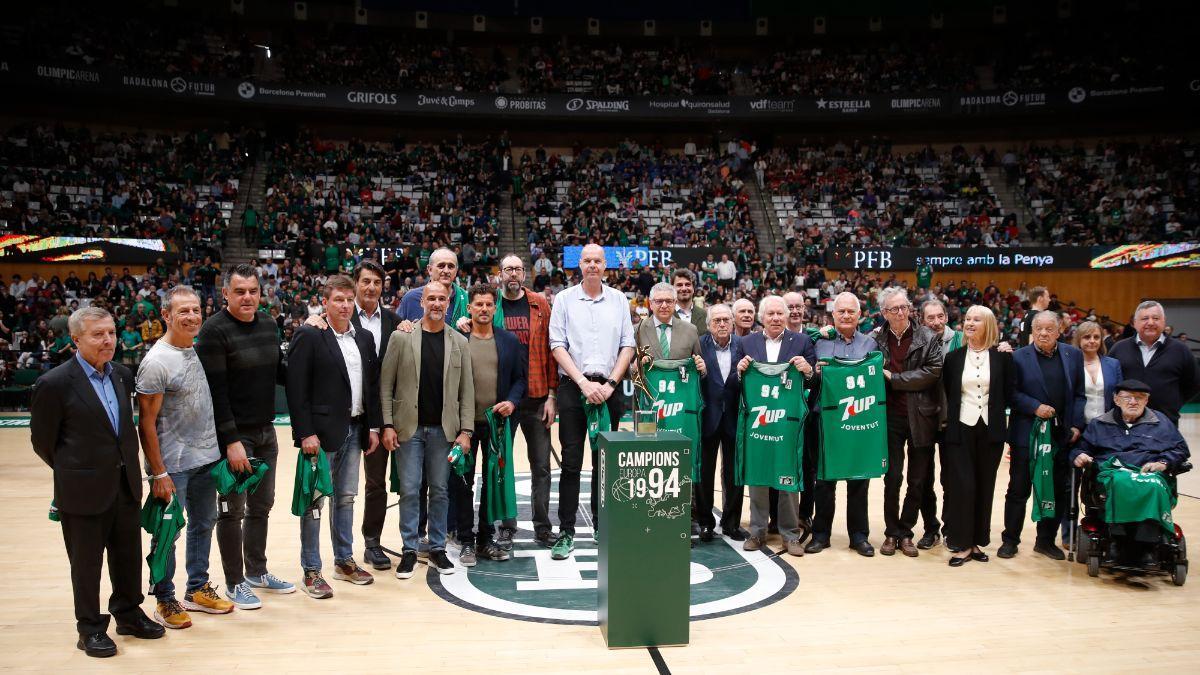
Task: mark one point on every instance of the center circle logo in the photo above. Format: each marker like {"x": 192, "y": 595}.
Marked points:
{"x": 574, "y": 104}
{"x": 1077, "y": 94}
{"x": 1010, "y": 98}
{"x": 178, "y": 85}
{"x": 246, "y": 90}
{"x": 501, "y": 103}
{"x": 530, "y": 586}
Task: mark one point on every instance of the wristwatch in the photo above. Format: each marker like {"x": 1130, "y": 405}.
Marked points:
{"x": 612, "y": 383}
{"x": 469, "y": 432}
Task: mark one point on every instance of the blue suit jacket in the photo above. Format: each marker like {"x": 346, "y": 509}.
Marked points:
{"x": 1111, "y": 368}
{"x": 1030, "y": 392}
{"x": 512, "y": 376}
{"x": 720, "y": 398}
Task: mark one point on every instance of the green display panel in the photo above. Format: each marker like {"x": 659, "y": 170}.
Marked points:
{"x": 645, "y": 513}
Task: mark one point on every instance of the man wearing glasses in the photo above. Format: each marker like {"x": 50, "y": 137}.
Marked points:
{"x": 527, "y": 315}
{"x": 912, "y": 368}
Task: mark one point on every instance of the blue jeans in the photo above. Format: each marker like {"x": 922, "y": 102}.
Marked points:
{"x": 424, "y": 455}
{"x": 197, "y": 494}
{"x": 343, "y": 464}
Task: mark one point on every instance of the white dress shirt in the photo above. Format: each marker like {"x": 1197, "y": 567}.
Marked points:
{"x": 1148, "y": 350}
{"x": 773, "y": 347}
{"x": 1094, "y": 391}
{"x": 372, "y": 323}
{"x": 724, "y": 357}
{"x": 976, "y": 383}
{"x": 592, "y": 330}
{"x": 353, "y": 361}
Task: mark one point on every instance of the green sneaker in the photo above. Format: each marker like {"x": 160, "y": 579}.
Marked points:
{"x": 563, "y": 547}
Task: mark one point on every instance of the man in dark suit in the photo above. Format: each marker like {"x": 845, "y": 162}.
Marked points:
{"x": 378, "y": 322}
{"x": 333, "y": 398}
{"x": 776, "y": 344}
{"x": 721, "y": 350}
{"x": 1049, "y": 386}
{"x": 499, "y": 369}
{"x": 82, "y": 428}
{"x": 1161, "y": 361}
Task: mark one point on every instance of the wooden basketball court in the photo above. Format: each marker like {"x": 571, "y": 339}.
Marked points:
{"x": 842, "y": 611}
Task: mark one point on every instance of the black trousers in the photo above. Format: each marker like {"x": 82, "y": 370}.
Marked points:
{"x": 375, "y": 470}
{"x": 116, "y": 532}
{"x": 808, "y": 496}
{"x": 857, "y": 524}
{"x": 899, "y": 518}
{"x": 537, "y": 443}
{"x": 461, "y": 514}
{"x": 969, "y": 481}
{"x": 1020, "y": 486}
{"x": 572, "y": 436}
{"x": 731, "y": 493}
{"x": 929, "y": 499}
{"x": 242, "y": 518}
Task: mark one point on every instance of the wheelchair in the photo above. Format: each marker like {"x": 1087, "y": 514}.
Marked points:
{"x": 1091, "y": 539}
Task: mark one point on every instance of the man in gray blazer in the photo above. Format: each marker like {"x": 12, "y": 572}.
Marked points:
{"x": 428, "y": 396}
{"x": 666, "y": 328}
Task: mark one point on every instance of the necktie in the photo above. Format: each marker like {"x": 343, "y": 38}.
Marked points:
{"x": 662, "y": 340}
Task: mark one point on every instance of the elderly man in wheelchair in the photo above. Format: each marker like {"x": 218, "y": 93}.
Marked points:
{"x": 1130, "y": 456}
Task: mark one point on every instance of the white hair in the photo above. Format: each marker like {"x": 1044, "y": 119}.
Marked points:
{"x": 887, "y": 294}
{"x": 711, "y": 310}
{"x": 762, "y": 305}
{"x": 664, "y": 287}
{"x": 83, "y": 315}
{"x": 1149, "y": 304}
{"x": 851, "y": 296}
{"x": 1046, "y": 314}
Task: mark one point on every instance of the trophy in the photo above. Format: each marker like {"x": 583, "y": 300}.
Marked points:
{"x": 645, "y": 421}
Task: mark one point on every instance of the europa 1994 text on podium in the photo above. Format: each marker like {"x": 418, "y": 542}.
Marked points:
{"x": 645, "y": 538}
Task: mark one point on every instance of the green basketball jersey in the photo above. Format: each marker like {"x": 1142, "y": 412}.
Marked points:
{"x": 853, "y": 419}
{"x": 770, "y": 438}
{"x": 676, "y": 386}
{"x": 1133, "y": 496}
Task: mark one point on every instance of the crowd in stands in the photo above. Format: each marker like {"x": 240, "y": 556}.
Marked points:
{"x": 323, "y": 197}
{"x": 177, "y": 186}
{"x": 364, "y": 58}
{"x": 866, "y": 193}
{"x": 1112, "y": 192}
{"x": 1101, "y": 53}
{"x": 616, "y": 70}
{"x": 634, "y": 195}
{"x": 133, "y": 42}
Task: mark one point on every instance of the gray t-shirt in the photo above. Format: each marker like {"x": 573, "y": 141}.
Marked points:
{"x": 187, "y": 434}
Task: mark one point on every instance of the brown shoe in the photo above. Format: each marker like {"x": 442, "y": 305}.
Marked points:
{"x": 908, "y": 548}
{"x": 889, "y": 546}
{"x": 795, "y": 548}
{"x": 350, "y": 571}
{"x": 753, "y": 544}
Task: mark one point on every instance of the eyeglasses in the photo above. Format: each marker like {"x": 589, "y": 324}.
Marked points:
{"x": 662, "y": 301}
{"x": 897, "y": 310}
{"x": 512, "y": 270}
{"x": 1129, "y": 398}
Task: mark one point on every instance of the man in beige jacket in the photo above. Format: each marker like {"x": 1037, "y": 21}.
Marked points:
{"x": 428, "y": 397}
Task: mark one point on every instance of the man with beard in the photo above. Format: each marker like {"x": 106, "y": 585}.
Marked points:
{"x": 686, "y": 309}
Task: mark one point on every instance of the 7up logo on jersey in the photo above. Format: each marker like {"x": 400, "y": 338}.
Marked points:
{"x": 853, "y": 405}
{"x": 666, "y": 409}
{"x": 531, "y": 586}
{"x": 763, "y": 417}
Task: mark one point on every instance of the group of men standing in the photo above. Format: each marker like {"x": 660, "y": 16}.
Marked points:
{"x": 366, "y": 382}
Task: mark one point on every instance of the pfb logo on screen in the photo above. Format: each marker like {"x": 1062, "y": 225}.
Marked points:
{"x": 872, "y": 260}
{"x": 621, "y": 257}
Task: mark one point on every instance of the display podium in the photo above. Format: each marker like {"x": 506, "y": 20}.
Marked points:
{"x": 645, "y": 514}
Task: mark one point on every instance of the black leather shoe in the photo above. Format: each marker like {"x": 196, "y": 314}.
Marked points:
{"x": 375, "y": 557}
{"x": 930, "y": 540}
{"x": 142, "y": 629}
{"x": 1007, "y": 550}
{"x": 738, "y": 534}
{"x": 816, "y": 546}
{"x": 98, "y": 645}
{"x": 706, "y": 534}
{"x": 1050, "y": 551}
{"x": 959, "y": 562}
{"x": 980, "y": 556}
{"x": 864, "y": 548}
{"x": 805, "y": 529}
